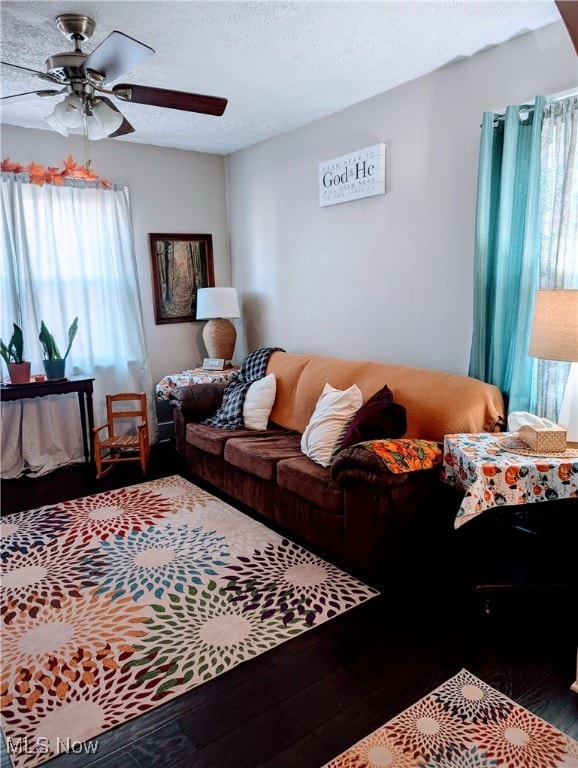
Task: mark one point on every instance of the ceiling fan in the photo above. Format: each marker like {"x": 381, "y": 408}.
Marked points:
{"x": 84, "y": 79}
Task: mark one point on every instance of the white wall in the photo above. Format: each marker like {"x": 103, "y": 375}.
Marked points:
{"x": 171, "y": 191}
{"x": 389, "y": 277}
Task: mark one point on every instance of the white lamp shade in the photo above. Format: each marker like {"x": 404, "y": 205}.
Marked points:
{"x": 101, "y": 118}
{"x": 104, "y": 120}
{"x": 555, "y": 325}
{"x": 217, "y": 302}
{"x": 69, "y": 111}
{"x": 53, "y": 122}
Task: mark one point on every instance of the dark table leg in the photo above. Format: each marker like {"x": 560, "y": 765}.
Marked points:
{"x": 90, "y": 418}
{"x": 83, "y": 425}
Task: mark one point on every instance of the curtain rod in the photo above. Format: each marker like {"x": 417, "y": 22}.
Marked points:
{"x": 526, "y": 110}
{"x": 529, "y": 105}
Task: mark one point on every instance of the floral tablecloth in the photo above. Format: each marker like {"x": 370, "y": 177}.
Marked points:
{"x": 492, "y": 476}
{"x": 192, "y": 376}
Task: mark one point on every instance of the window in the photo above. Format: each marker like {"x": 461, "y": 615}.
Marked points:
{"x": 68, "y": 251}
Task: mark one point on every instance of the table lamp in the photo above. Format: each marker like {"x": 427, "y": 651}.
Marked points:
{"x": 217, "y": 305}
{"x": 555, "y": 337}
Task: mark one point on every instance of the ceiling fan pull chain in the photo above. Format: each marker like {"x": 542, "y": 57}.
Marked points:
{"x": 88, "y": 164}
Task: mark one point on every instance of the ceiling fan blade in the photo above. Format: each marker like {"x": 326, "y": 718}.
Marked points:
{"x": 160, "y": 97}
{"x": 569, "y": 14}
{"x": 28, "y": 94}
{"x": 118, "y": 53}
{"x": 35, "y": 72}
{"x": 125, "y": 127}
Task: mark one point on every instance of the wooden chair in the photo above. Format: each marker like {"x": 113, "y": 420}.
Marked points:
{"x": 114, "y": 448}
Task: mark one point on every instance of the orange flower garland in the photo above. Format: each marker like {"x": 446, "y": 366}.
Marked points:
{"x": 40, "y": 175}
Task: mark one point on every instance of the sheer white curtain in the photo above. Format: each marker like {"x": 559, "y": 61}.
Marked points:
{"x": 68, "y": 251}
{"x": 558, "y": 266}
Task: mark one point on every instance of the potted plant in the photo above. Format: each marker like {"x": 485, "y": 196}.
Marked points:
{"x": 13, "y": 354}
{"x": 55, "y": 363}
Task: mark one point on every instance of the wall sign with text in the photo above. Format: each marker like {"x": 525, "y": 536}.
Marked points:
{"x": 351, "y": 177}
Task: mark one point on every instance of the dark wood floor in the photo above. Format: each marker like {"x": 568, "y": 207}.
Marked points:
{"x": 309, "y": 699}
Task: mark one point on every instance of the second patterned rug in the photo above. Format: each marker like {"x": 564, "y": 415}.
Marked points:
{"x": 465, "y": 723}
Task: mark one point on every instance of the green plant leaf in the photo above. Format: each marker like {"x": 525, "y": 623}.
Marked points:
{"x": 49, "y": 348}
{"x": 4, "y": 352}
{"x": 14, "y": 352}
{"x": 71, "y": 334}
{"x": 17, "y": 344}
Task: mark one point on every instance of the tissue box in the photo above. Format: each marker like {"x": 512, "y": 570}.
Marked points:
{"x": 551, "y": 439}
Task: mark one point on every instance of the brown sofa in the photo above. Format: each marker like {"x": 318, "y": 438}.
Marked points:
{"x": 355, "y": 511}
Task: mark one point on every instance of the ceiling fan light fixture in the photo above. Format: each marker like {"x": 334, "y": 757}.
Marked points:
{"x": 54, "y": 123}
{"x": 102, "y": 121}
{"x": 69, "y": 111}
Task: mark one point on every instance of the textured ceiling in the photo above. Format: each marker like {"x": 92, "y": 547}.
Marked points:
{"x": 280, "y": 64}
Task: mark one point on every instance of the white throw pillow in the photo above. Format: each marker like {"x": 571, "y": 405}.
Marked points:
{"x": 259, "y": 402}
{"x": 333, "y": 412}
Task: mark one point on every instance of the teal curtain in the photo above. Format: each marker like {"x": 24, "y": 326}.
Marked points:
{"x": 507, "y": 246}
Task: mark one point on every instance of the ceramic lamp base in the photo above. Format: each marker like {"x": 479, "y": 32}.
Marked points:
{"x": 220, "y": 336}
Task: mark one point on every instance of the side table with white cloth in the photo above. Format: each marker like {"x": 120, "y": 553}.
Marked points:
{"x": 184, "y": 379}
{"x": 517, "y": 520}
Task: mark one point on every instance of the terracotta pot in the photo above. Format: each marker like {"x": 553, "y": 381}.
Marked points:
{"x": 54, "y": 369}
{"x": 19, "y": 373}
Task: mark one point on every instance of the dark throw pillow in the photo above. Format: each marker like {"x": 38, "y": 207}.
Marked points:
{"x": 380, "y": 417}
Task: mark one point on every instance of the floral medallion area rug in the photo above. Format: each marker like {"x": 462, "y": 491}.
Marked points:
{"x": 113, "y": 604}
{"x": 464, "y": 723}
